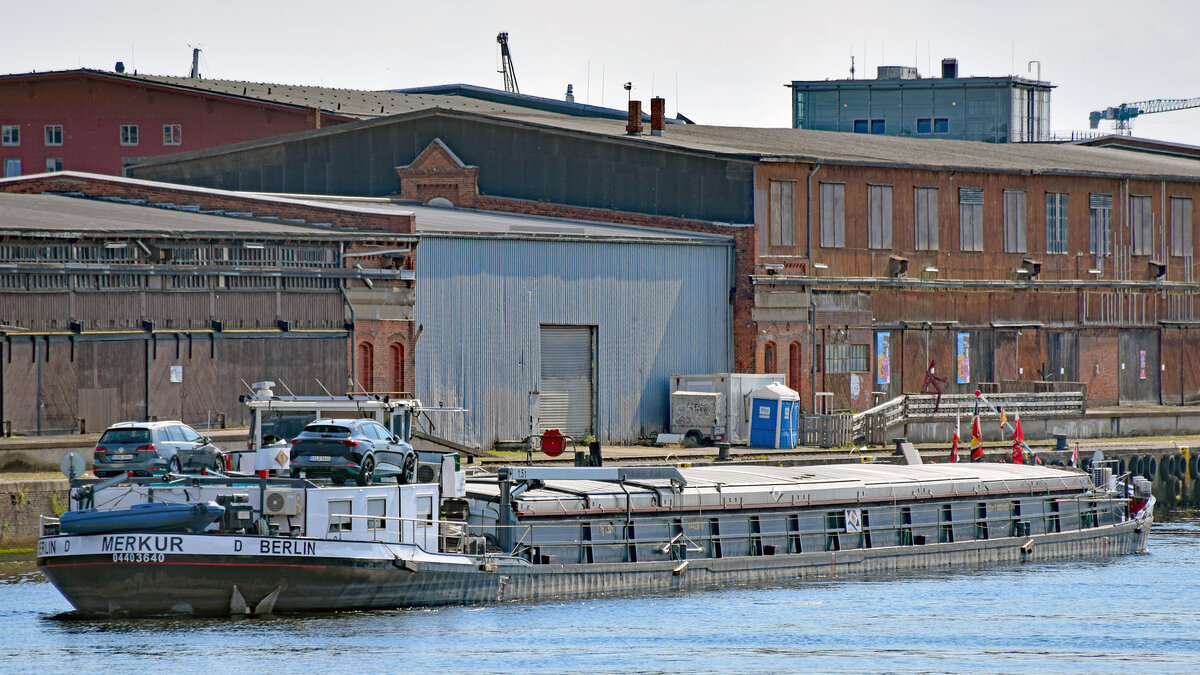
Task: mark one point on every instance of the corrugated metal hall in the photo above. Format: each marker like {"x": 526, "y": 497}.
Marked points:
{"x": 534, "y": 323}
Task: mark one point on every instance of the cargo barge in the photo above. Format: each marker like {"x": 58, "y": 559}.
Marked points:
{"x": 537, "y": 533}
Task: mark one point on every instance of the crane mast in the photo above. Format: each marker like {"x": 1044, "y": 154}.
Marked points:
{"x": 506, "y": 65}
{"x": 1122, "y": 116}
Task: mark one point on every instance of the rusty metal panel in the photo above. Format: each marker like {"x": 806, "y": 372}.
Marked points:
{"x": 98, "y": 408}
{"x": 35, "y": 311}
{"x": 1138, "y": 376}
{"x": 245, "y": 309}
{"x": 96, "y": 359}
{"x": 20, "y": 383}
{"x": 109, "y": 310}
{"x": 313, "y": 309}
{"x": 1062, "y": 363}
{"x": 179, "y": 309}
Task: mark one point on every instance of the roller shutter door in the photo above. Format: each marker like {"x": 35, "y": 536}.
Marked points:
{"x": 568, "y": 384}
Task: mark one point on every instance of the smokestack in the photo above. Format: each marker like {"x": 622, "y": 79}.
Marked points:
{"x": 195, "y": 63}
{"x": 658, "y": 108}
{"x": 634, "y": 126}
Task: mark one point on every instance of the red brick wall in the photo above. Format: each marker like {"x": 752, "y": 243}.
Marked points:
{"x": 381, "y": 335}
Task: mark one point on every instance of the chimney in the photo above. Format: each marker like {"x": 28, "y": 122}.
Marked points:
{"x": 195, "y": 74}
{"x": 658, "y": 108}
{"x": 634, "y": 126}
{"x": 949, "y": 69}
{"x": 570, "y": 93}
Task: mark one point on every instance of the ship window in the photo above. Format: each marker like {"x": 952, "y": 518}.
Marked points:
{"x": 947, "y": 528}
{"x": 424, "y": 511}
{"x": 376, "y": 510}
{"x": 339, "y": 515}
{"x": 981, "y": 522}
{"x": 906, "y": 533}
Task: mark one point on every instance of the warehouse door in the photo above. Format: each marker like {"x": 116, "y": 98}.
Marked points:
{"x": 568, "y": 387}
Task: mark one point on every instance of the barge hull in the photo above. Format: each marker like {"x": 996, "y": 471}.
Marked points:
{"x": 220, "y": 585}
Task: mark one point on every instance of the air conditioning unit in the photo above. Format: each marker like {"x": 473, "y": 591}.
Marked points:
{"x": 281, "y": 503}
{"x": 429, "y": 472}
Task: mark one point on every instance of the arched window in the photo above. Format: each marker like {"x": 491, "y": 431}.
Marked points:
{"x": 366, "y": 366}
{"x": 793, "y": 373}
{"x": 397, "y": 367}
{"x": 769, "y": 364}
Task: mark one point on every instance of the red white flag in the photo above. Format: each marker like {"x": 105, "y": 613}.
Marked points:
{"x": 976, "y": 440}
{"x": 1075, "y": 456}
{"x": 954, "y": 440}
{"x": 1018, "y": 453}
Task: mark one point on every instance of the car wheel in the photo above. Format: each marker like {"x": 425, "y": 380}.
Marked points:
{"x": 409, "y": 473}
{"x": 173, "y": 466}
{"x": 366, "y": 476}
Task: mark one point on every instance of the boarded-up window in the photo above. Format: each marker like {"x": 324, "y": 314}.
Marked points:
{"x": 1181, "y": 226}
{"x": 1141, "y": 225}
{"x": 970, "y": 219}
{"x": 1100, "y": 224}
{"x": 879, "y": 216}
{"x": 1014, "y": 221}
{"x": 366, "y": 366}
{"x": 833, "y": 215}
{"x": 925, "y": 216}
{"x": 782, "y": 216}
{"x": 1056, "y": 222}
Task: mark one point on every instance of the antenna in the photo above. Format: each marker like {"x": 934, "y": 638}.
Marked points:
{"x": 289, "y": 389}
{"x": 852, "y": 66}
{"x": 323, "y": 387}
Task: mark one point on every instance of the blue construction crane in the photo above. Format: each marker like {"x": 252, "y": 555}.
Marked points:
{"x": 1122, "y": 115}
{"x": 506, "y": 65}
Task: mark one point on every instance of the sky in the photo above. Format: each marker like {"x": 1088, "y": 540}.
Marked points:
{"x": 717, "y": 62}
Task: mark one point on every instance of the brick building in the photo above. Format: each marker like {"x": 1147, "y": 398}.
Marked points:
{"x": 861, "y": 259}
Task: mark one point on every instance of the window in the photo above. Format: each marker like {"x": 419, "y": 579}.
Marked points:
{"x": 925, "y": 214}
{"x": 1100, "y": 224}
{"x": 879, "y": 216}
{"x": 875, "y": 126}
{"x": 783, "y": 209}
{"x": 1141, "y": 225}
{"x": 129, "y": 134}
{"x": 970, "y": 219}
{"x": 1181, "y": 226}
{"x": 397, "y": 367}
{"x": 769, "y": 357}
{"x": 937, "y": 125}
{"x": 846, "y": 358}
{"x": 376, "y": 510}
{"x": 10, "y": 134}
{"x": 366, "y": 366}
{"x": 53, "y": 164}
{"x": 172, "y": 134}
{"x": 339, "y": 515}
{"x": 54, "y": 135}
{"x": 1056, "y": 222}
{"x": 424, "y": 511}
{"x": 12, "y": 167}
{"x": 1014, "y": 221}
{"x": 833, "y": 215}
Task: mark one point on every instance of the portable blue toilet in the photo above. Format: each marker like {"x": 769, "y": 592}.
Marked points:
{"x": 774, "y": 417}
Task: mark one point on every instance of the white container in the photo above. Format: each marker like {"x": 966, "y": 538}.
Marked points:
{"x": 735, "y": 413}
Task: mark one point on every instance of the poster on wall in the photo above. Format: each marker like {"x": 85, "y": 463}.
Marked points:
{"x": 883, "y": 358}
{"x": 963, "y": 359}
{"x": 1142, "y": 364}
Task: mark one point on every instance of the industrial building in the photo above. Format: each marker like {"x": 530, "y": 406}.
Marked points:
{"x": 97, "y": 121}
{"x": 867, "y": 265}
{"x": 126, "y": 300}
{"x": 899, "y": 102}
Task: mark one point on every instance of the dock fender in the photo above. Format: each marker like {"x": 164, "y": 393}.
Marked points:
{"x": 1027, "y": 548}
{"x": 406, "y": 565}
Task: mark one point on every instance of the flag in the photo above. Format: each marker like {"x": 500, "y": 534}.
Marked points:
{"x": 976, "y": 439}
{"x": 954, "y": 440}
{"x": 1018, "y": 453}
{"x": 1075, "y": 456}
{"x": 1003, "y": 420}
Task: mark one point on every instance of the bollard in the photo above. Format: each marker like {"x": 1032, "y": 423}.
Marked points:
{"x": 722, "y": 452}
{"x": 581, "y": 458}
{"x": 596, "y": 459}
{"x": 899, "y": 442}
{"x": 1060, "y": 441}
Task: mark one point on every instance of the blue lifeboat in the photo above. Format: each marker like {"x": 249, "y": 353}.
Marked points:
{"x": 151, "y": 517}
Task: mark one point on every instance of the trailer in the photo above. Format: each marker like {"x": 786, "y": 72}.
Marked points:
{"x": 715, "y": 407}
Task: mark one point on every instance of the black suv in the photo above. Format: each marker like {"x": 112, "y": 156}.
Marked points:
{"x": 361, "y": 449}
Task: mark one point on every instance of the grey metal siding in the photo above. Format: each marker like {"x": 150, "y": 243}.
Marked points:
{"x": 657, "y": 309}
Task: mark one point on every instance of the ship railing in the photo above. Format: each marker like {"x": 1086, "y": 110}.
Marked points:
{"x": 451, "y": 533}
{"x": 47, "y": 525}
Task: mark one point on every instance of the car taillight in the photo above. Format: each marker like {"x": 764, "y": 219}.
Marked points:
{"x": 99, "y": 449}
{"x": 295, "y": 441}
{"x": 146, "y": 448}
{"x": 350, "y": 444}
